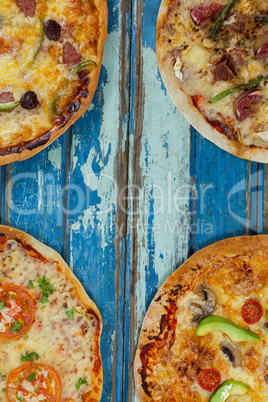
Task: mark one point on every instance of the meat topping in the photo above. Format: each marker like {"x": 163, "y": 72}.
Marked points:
{"x": 224, "y": 69}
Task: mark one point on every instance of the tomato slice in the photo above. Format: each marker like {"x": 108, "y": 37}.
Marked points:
{"x": 252, "y": 311}
{"x": 33, "y": 380}
{"x": 209, "y": 379}
{"x": 16, "y": 311}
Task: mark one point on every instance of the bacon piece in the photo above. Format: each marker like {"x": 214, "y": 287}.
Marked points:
{"x": 71, "y": 57}
{"x": 6, "y": 97}
{"x": 239, "y": 57}
{"x": 203, "y": 13}
{"x": 28, "y": 7}
{"x": 224, "y": 69}
{"x": 237, "y": 22}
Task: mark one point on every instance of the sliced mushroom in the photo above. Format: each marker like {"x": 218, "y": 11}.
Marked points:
{"x": 261, "y": 45}
{"x": 232, "y": 351}
{"x": 245, "y": 104}
{"x": 266, "y": 326}
{"x": 210, "y": 300}
{"x": 204, "y": 306}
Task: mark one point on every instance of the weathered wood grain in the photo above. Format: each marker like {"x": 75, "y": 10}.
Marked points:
{"x": 131, "y": 191}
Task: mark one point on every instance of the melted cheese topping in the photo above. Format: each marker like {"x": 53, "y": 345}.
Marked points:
{"x": 47, "y": 76}
{"x": 184, "y": 44}
{"x": 178, "y": 355}
{"x": 67, "y": 345}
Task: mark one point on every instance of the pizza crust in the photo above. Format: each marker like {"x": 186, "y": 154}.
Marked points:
{"x": 185, "y": 104}
{"x": 225, "y": 248}
{"x": 50, "y": 254}
{"x": 15, "y": 155}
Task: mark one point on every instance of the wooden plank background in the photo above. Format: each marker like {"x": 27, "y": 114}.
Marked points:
{"x": 130, "y": 191}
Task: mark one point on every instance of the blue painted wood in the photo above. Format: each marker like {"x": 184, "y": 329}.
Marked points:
{"x": 130, "y": 191}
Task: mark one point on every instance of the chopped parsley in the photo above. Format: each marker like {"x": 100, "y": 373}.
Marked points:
{"x": 26, "y": 336}
{"x": 2, "y": 305}
{"x": 32, "y": 377}
{"x": 43, "y": 307}
{"x": 19, "y": 399}
{"x": 30, "y": 284}
{"x": 46, "y": 288}
{"x": 29, "y": 356}
{"x": 16, "y": 327}
{"x": 70, "y": 314}
{"x": 80, "y": 382}
{"x": 3, "y": 389}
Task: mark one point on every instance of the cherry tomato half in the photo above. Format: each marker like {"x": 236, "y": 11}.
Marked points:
{"x": 209, "y": 379}
{"x": 16, "y": 311}
{"x": 252, "y": 311}
{"x": 33, "y": 380}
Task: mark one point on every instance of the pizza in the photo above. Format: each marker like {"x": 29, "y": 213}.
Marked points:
{"x": 50, "y": 60}
{"x": 49, "y": 328}
{"x": 213, "y": 57}
{"x": 205, "y": 334}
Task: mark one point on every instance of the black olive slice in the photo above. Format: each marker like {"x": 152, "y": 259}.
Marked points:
{"x": 52, "y": 30}
{"x": 29, "y": 100}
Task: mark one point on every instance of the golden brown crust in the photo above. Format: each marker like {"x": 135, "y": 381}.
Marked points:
{"x": 26, "y": 152}
{"x": 185, "y": 104}
{"x": 50, "y": 254}
{"x": 183, "y": 278}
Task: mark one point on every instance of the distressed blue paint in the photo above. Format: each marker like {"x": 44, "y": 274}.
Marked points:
{"x": 220, "y": 182}
{"x": 120, "y": 312}
{"x": 127, "y": 330}
{"x": 3, "y": 194}
{"x": 150, "y": 12}
{"x": 38, "y": 198}
{"x": 257, "y": 197}
{"x": 87, "y": 238}
{"x": 151, "y": 277}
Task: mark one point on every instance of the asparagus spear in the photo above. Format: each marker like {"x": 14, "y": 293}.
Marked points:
{"x": 250, "y": 84}
{"x": 218, "y": 25}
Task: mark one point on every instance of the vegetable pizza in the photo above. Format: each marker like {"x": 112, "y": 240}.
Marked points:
{"x": 50, "y": 59}
{"x": 205, "y": 335}
{"x": 49, "y": 328}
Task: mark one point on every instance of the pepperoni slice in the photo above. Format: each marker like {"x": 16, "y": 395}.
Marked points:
{"x": 31, "y": 381}
{"x": 252, "y": 311}
{"x": 209, "y": 379}
{"x": 16, "y": 311}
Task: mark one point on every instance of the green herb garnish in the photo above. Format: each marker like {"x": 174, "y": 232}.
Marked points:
{"x": 30, "y": 284}
{"x": 70, "y": 314}
{"x": 29, "y": 356}
{"x": 32, "y": 377}
{"x": 80, "y": 382}
{"x": 2, "y": 305}
{"x": 26, "y": 336}
{"x": 219, "y": 23}
{"x": 250, "y": 84}
{"x": 46, "y": 289}
{"x": 3, "y": 389}
{"x": 16, "y": 327}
